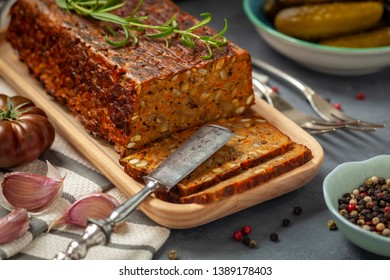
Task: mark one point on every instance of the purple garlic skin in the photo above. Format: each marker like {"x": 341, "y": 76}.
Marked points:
{"x": 95, "y": 205}
{"x": 30, "y": 191}
{"x": 14, "y": 225}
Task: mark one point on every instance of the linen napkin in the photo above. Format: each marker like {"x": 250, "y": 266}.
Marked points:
{"x": 138, "y": 238}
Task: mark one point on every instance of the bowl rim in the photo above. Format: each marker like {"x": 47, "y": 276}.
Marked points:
{"x": 336, "y": 213}
{"x": 259, "y": 23}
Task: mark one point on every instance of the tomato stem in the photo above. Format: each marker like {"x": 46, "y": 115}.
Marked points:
{"x": 12, "y": 114}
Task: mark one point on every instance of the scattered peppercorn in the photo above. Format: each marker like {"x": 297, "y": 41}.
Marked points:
{"x": 237, "y": 235}
{"x": 249, "y": 242}
{"x": 246, "y": 230}
{"x": 172, "y": 255}
{"x": 297, "y": 210}
{"x": 275, "y": 89}
{"x": 274, "y": 237}
{"x": 243, "y": 235}
{"x": 246, "y": 240}
{"x": 332, "y": 225}
{"x": 337, "y": 106}
{"x": 360, "y": 96}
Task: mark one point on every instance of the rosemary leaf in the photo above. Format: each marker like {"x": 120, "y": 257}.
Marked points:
{"x": 207, "y": 18}
{"x": 108, "y": 9}
{"x": 187, "y": 40}
{"x": 126, "y": 40}
{"x": 108, "y": 17}
{"x": 63, "y": 4}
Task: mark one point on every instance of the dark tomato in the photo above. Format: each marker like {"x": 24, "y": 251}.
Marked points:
{"x": 25, "y": 131}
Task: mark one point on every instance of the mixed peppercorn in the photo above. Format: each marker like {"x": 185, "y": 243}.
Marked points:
{"x": 243, "y": 234}
{"x": 368, "y": 205}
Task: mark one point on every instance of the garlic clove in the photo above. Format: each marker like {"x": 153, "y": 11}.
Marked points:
{"x": 14, "y": 225}
{"x": 31, "y": 191}
{"x": 95, "y": 206}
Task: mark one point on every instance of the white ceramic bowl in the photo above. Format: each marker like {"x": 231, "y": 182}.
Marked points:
{"x": 342, "y": 180}
{"x": 331, "y": 60}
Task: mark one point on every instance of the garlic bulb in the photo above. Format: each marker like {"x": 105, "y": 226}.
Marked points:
{"x": 95, "y": 205}
{"x": 31, "y": 191}
{"x": 14, "y": 225}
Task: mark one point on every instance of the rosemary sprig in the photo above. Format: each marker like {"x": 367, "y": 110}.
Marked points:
{"x": 102, "y": 10}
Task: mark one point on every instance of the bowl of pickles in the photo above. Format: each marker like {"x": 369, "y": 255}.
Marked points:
{"x": 339, "y": 37}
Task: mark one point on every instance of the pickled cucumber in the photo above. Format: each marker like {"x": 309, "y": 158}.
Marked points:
{"x": 320, "y": 21}
{"x": 370, "y": 39}
{"x": 271, "y": 8}
{"x": 290, "y": 3}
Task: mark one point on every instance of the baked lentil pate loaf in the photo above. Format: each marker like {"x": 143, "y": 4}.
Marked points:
{"x": 135, "y": 94}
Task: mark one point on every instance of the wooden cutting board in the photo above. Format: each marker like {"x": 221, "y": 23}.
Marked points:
{"x": 103, "y": 156}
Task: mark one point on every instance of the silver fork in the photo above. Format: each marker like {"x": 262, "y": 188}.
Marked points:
{"x": 308, "y": 122}
{"x": 320, "y": 105}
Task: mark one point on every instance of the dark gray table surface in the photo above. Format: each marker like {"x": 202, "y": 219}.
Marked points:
{"x": 308, "y": 236}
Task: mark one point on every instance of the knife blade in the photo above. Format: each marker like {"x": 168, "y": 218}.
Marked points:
{"x": 191, "y": 154}
{"x": 198, "y": 148}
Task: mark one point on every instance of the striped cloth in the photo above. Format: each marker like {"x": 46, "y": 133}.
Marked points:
{"x": 138, "y": 238}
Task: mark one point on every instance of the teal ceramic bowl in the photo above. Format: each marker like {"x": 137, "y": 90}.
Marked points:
{"x": 331, "y": 60}
{"x": 342, "y": 180}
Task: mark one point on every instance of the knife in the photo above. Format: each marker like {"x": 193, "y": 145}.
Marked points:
{"x": 198, "y": 148}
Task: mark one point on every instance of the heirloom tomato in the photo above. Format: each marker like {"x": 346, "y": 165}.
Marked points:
{"x": 25, "y": 131}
